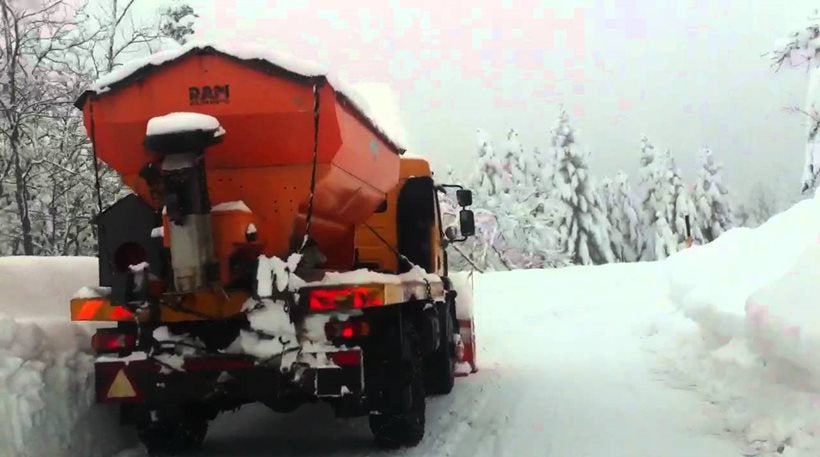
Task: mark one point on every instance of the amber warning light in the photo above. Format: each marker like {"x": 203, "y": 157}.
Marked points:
{"x": 98, "y": 309}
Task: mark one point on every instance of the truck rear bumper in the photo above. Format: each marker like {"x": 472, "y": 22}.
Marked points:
{"x": 229, "y": 380}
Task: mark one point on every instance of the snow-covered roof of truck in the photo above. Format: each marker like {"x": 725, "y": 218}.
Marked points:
{"x": 375, "y": 102}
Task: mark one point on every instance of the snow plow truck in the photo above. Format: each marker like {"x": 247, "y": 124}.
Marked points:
{"x": 277, "y": 247}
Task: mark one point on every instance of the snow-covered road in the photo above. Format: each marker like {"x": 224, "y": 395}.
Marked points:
{"x": 563, "y": 373}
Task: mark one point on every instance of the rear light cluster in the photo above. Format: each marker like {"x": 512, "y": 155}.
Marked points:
{"x": 349, "y": 329}
{"x": 345, "y": 298}
{"x": 99, "y": 309}
{"x": 109, "y": 341}
{"x": 346, "y": 358}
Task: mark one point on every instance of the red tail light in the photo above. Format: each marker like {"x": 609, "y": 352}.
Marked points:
{"x": 105, "y": 341}
{"x": 346, "y": 358}
{"x": 345, "y": 298}
{"x": 348, "y": 329}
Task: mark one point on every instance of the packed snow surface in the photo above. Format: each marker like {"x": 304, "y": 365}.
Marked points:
{"x": 183, "y": 122}
{"x": 375, "y": 101}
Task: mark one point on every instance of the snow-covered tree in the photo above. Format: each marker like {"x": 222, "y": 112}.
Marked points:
{"x": 514, "y": 221}
{"x": 606, "y": 193}
{"x": 665, "y": 195}
{"x": 625, "y": 218}
{"x": 583, "y": 225}
{"x": 49, "y": 52}
{"x": 801, "y": 48}
{"x": 657, "y": 193}
{"x": 665, "y": 243}
{"x": 683, "y": 206}
{"x": 714, "y": 215}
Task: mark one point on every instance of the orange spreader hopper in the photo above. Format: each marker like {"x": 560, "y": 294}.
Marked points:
{"x": 267, "y": 155}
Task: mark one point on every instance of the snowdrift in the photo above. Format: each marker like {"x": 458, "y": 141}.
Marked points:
{"x": 46, "y": 373}
{"x": 752, "y": 338}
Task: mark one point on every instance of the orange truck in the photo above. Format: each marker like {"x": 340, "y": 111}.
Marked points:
{"x": 277, "y": 248}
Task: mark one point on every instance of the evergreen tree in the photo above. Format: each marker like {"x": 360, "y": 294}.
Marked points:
{"x": 625, "y": 218}
{"x": 714, "y": 215}
{"x": 582, "y": 222}
{"x": 681, "y": 206}
{"x": 665, "y": 241}
{"x": 514, "y": 222}
{"x": 654, "y": 202}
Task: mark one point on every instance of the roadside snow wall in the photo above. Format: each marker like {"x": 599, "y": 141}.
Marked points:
{"x": 46, "y": 371}
{"x": 751, "y": 343}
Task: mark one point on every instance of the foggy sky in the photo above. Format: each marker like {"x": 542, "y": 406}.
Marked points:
{"x": 686, "y": 73}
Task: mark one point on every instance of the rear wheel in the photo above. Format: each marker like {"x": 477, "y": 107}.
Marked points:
{"x": 399, "y": 418}
{"x": 440, "y": 366}
{"x": 173, "y": 434}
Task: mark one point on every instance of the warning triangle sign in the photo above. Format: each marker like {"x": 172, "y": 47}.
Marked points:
{"x": 121, "y": 387}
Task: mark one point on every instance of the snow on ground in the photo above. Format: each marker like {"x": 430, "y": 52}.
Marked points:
{"x": 46, "y": 377}
{"x": 748, "y": 333}
{"x": 563, "y": 372}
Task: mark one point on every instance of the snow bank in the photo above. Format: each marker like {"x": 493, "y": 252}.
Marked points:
{"x": 463, "y": 285}
{"x": 752, "y": 336}
{"x": 183, "y": 122}
{"x": 375, "y": 102}
{"x": 46, "y": 373}
{"x": 42, "y": 286}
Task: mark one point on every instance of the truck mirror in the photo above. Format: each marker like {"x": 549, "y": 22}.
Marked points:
{"x": 464, "y": 197}
{"x": 466, "y": 221}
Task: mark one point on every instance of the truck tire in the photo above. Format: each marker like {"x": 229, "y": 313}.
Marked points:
{"x": 173, "y": 435}
{"x": 440, "y": 366}
{"x": 399, "y": 419}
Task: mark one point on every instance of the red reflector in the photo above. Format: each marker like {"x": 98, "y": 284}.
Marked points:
{"x": 113, "y": 342}
{"x": 347, "y": 332}
{"x": 116, "y": 381}
{"x": 346, "y": 358}
{"x": 349, "y": 297}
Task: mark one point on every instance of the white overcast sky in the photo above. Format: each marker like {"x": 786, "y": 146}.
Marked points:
{"x": 686, "y": 73}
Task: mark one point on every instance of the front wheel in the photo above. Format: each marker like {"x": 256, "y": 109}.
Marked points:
{"x": 399, "y": 418}
{"x": 440, "y": 366}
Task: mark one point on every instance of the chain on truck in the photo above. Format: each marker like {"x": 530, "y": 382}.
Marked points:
{"x": 277, "y": 248}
